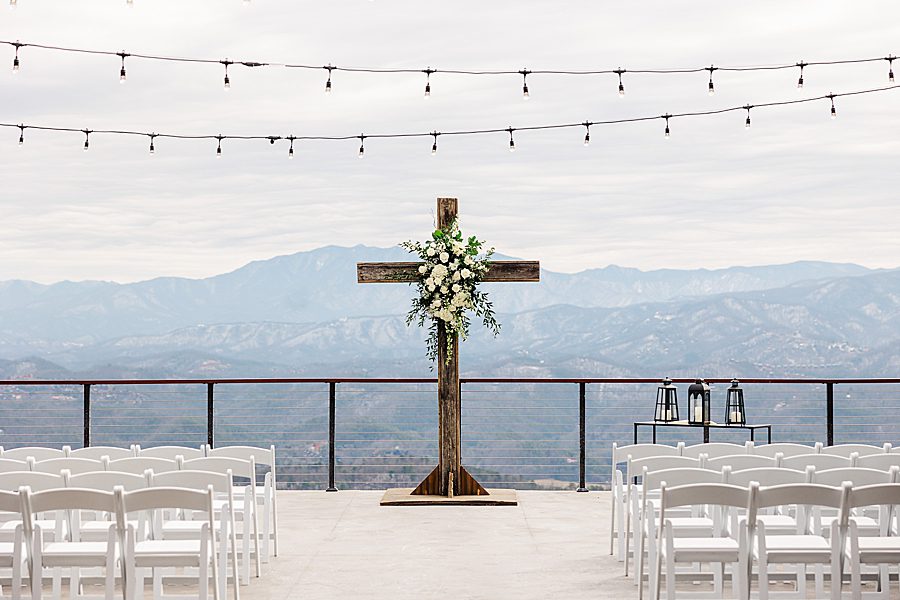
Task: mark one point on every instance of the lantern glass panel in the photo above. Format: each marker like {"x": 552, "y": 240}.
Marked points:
{"x": 735, "y": 414}
{"x": 699, "y": 403}
{"x": 666, "y": 402}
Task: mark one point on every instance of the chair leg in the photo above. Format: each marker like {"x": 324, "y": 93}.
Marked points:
{"x": 157, "y": 583}
{"x": 266, "y": 525}
{"x": 801, "y": 580}
{"x": 670, "y": 577}
{"x": 274, "y": 521}
{"x": 74, "y": 583}
{"x": 820, "y": 582}
{"x": 763, "y": 579}
{"x": 110, "y": 581}
{"x": 57, "y": 583}
{"x": 612, "y": 520}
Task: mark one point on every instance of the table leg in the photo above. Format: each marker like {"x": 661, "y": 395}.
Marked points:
{"x": 635, "y": 433}
{"x": 769, "y": 434}
{"x": 654, "y": 434}
{"x": 705, "y": 434}
{"x": 752, "y": 432}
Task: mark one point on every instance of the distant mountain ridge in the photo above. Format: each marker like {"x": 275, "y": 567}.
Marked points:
{"x": 305, "y": 312}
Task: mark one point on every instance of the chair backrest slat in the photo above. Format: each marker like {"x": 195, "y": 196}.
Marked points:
{"x": 819, "y": 461}
{"x": 107, "y": 480}
{"x": 72, "y": 465}
{"x": 882, "y": 462}
{"x": 98, "y": 452}
{"x": 222, "y": 464}
{"x": 766, "y": 476}
{"x": 885, "y": 494}
{"x": 860, "y": 449}
{"x": 9, "y": 465}
{"x": 222, "y": 483}
{"x": 786, "y": 449}
{"x": 38, "y": 482}
{"x": 657, "y": 463}
{"x": 38, "y": 453}
{"x": 740, "y": 462}
{"x": 170, "y": 452}
{"x": 139, "y": 464}
{"x": 715, "y": 449}
{"x": 855, "y": 475}
{"x": 679, "y": 476}
{"x": 167, "y": 498}
{"x": 718, "y": 494}
{"x": 620, "y": 454}
{"x": 262, "y": 456}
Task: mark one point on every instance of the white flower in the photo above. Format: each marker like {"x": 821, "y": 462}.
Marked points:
{"x": 423, "y": 269}
{"x": 454, "y": 264}
{"x": 465, "y": 273}
{"x": 445, "y": 289}
{"x": 431, "y": 288}
{"x": 468, "y": 260}
{"x": 456, "y": 287}
{"x": 429, "y": 281}
{"x": 456, "y": 276}
{"x": 444, "y": 257}
{"x": 430, "y": 251}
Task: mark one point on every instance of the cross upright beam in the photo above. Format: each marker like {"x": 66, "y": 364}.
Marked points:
{"x": 449, "y": 478}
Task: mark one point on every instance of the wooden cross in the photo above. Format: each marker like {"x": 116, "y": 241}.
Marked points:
{"x": 449, "y": 478}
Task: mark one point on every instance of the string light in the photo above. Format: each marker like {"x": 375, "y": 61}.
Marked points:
{"x": 667, "y": 117}
{"x": 227, "y": 62}
{"x": 502, "y": 72}
{"x": 434, "y": 145}
{"x": 890, "y": 60}
{"x": 465, "y": 132}
{"x": 87, "y": 139}
{"x": 219, "y": 147}
{"x": 833, "y": 111}
{"x": 152, "y": 148}
{"x": 16, "y": 59}
{"x": 712, "y": 88}
{"x": 801, "y": 64}
{"x": 428, "y": 73}
{"x": 747, "y": 122}
{"x": 122, "y": 70}
{"x": 362, "y": 146}
{"x": 587, "y": 134}
{"x": 524, "y": 73}
{"x": 21, "y": 134}
{"x": 328, "y": 83}
{"x": 291, "y": 149}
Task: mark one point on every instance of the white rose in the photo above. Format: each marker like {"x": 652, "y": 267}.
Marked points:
{"x": 456, "y": 276}
{"x": 431, "y": 288}
{"x": 465, "y": 273}
{"x": 444, "y": 289}
{"x": 454, "y": 264}
{"x": 423, "y": 269}
{"x": 468, "y": 260}
{"x": 456, "y": 287}
{"x": 429, "y": 281}
{"x": 444, "y": 257}
{"x": 430, "y": 252}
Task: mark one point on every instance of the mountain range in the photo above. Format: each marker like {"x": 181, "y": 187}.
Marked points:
{"x": 304, "y": 314}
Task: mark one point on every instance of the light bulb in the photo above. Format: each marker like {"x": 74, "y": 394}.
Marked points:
{"x": 219, "y": 149}
{"x": 800, "y": 83}
{"x": 427, "y": 90}
{"x": 712, "y": 88}
{"x": 122, "y": 75}
{"x": 891, "y": 75}
{"x": 512, "y": 144}
{"x": 747, "y": 123}
{"x": 434, "y": 149}
{"x": 833, "y": 112}
{"x": 87, "y": 144}
{"x": 21, "y": 135}
{"x": 621, "y": 90}
{"x": 587, "y": 138}
{"x": 525, "y": 95}
{"x": 152, "y": 148}
{"x": 668, "y": 135}
{"x": 16, "y": 65}
{"x": 291, "y": 152}
{"x": 328, "y": 85}
{"x": 227, "y": 83}
{"x": 362, "y": 147}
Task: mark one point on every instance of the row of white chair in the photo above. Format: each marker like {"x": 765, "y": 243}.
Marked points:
{"x": 646, "y": 510}
{"x": 122, "y": 546}
{"x": 622, "y": 454}
{"x": 753, "y": 543}
{"x": 136, "y": 460}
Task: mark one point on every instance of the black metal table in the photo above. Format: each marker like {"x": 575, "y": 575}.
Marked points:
{"x": 706, "y": 428}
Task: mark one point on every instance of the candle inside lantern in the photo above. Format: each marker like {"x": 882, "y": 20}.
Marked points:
{"x": 669, "y": 414}
{"x": 698, "y": 413}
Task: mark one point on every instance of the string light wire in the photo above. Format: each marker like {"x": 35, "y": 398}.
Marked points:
{"x": 430, "y": 71}
{"x": 667, "y": 117}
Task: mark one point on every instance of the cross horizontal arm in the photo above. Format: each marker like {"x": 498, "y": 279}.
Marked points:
{"x": 408, "y": 272}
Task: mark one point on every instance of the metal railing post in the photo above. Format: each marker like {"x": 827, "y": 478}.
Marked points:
{"x": 582, "y": 418}
{"x": 332, "y": 395}
{"x": 87, "y": 415}
{"x": 829, "y": 408}
{"x": 210, "y": 413}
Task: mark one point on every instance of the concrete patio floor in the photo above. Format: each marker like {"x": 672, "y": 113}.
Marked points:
{"x": 344, "y": 545}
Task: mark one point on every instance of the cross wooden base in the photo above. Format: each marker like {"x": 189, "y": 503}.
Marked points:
{"x": 405, "y": 497}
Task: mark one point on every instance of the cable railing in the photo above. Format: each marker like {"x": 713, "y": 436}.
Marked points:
{"x": 369, "y": 433}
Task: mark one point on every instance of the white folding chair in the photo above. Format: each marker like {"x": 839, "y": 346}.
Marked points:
{"x": 156, "y": 553}
{"x": 819, "y": 462}
{"x": 72, "y": 465}
{"x": 822, "y": 520}
{"x": 35, "y": 452}
{"x": 786, "y": 449}
{"x": 685, "y": 525}
{"x": 776, "y": 521}
{"x": 105, "y": 481}
{"x": 245, "y": 506}
{"x": 882, "y": 550}
{"x": 716, "y": 449}
{"x": 98, "y": 452}
{"x": 621, "y": 454}
{"x": 800, "y": 549}
{"x": 171, "y": 452}
{"x": 717, "y": 548}
{"x": 859, "y": 449}
{"x": 71, "y": 553}
{"x": 635, "y": 468}
{"x": 9, "y": 465}
{"x": 882, "y": 462}
{"x": 12, "y": 555}
{"x": 53, "y": 528}
{"x": 224, "y": 529}
{"x": 739, "y": 462}
{"x": 139, "y": 465}
{"x": 265, "y": 495}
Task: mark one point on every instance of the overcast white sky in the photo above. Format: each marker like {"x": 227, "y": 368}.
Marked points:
{"x": 796, "y": 186}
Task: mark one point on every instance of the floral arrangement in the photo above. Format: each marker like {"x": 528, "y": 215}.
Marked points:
{"x": 448, "y": 286}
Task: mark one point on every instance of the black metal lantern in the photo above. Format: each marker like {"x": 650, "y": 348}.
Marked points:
{"x": 698, "y": 403}
{"x": 666, "y": 402}
{"x": 734, "y": 405}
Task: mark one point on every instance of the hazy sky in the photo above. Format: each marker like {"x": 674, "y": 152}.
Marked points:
{"x": 796, "y": 186}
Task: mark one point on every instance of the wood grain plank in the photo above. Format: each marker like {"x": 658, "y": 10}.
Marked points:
{"x": 408, "y": 272}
